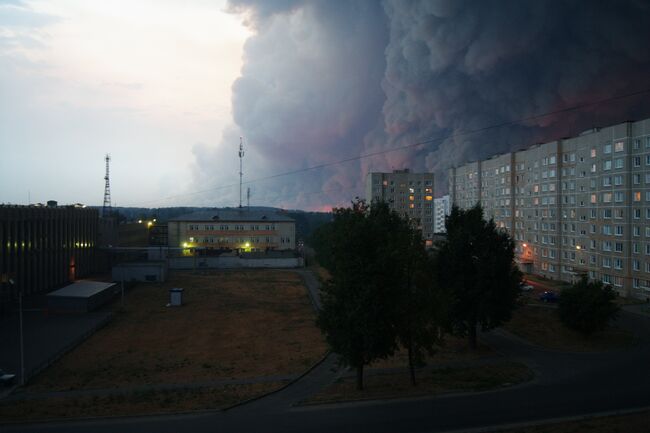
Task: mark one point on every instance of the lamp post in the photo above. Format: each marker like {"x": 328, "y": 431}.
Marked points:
{"x": 20, "y": 321}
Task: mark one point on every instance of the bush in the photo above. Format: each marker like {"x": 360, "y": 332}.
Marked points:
{"x": 587, "y": 307}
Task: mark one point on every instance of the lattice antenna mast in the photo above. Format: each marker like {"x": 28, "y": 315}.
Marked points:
{"x": 241, "y": 173}
{"x": 106, "y": 209}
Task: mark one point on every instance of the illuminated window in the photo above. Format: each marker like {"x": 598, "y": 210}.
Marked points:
{"x": 411, "y": 205}
{"x": 411, "y": 198}
{"x": 637, "y": 196}
{"x": 428, "y": 198}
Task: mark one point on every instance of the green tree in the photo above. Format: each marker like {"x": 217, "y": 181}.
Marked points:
{"x": 587, "y": 307}
{"x": 421, "y": 309}
{"x": 476, "y": 263}
{"x": 357, "y": 315}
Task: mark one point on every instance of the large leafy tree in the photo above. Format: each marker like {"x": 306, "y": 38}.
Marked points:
{"x": 421, "y": 310}
{"x": 587, "y": 307}
{"x": 476, "y": 262}
{"x": 358, "y": 311}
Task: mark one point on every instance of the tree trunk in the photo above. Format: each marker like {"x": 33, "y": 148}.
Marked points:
{"x": 472, "y": 335}
{"x": 411, "y": 366}
{"x": 360, "y": 377}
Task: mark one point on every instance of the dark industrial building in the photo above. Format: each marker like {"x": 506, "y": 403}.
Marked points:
{"x": 44, "y": 247}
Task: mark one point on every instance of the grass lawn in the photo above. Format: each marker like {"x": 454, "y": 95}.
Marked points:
{"x": 430, "y": 382}
{"x": 541, "y": 325}
{"x": 454, "y": 349}
{"x": 631, "y": 423}
{"x": 133, "y": 403}
{"x": 234, "y": 324}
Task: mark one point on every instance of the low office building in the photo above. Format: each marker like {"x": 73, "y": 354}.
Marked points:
{"x": 576, "y": 206}
{"x": 44, "y": 247}
{"x": 410, "y": 194}
{"x": 239, "y": 230}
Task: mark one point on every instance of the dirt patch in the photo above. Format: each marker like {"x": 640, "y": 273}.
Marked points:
{"x": 234, "y": 324}
{"x": 541, "y": 326}
{"x": 430, "y": 382}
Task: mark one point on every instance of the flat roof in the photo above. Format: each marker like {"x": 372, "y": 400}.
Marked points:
{"x": 82, "y": 289}
{"x": 236, "y": 215}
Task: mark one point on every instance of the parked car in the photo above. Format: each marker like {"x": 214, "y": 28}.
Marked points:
{"x": 549, "y": 296}
{"x": 525, "y": 287}
{"x": 6, "y": 379}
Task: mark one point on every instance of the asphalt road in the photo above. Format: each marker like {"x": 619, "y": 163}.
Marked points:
{"x": 567, "y": 384}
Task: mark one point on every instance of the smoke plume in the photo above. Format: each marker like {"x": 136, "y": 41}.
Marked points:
{"x": 323, "y": 81}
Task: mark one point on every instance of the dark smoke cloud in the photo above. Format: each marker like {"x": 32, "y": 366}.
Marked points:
{"x": 323, "y": 81}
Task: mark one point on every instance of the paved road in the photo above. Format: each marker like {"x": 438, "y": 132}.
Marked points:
{"x": 568, "y": 384}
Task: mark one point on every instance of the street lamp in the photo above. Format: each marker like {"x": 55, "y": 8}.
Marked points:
{"x": 20, "y": 320}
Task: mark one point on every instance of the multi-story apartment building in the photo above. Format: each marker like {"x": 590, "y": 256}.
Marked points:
{"x": 410, "y": 194}
{"x": 576, "y": 206}
{"x": 44, "y": 247}
{"x": 442, "y": 208}
{"x": 241, "y": 230}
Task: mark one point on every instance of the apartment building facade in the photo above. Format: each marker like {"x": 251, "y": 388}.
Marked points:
{"x": 410, "y": 194}
{"x": 576, "y": 206}
{"x": 441, "y": 208}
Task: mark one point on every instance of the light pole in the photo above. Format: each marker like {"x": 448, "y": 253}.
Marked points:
{"x": 20, "y": 321}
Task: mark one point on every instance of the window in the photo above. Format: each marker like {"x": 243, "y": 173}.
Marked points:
{"x": 618, "y": 180}
{"x": 636, "y": 179}
{"x": 618, "y": 263}
{"x": 607, "y": 262}
{"x": 607, "y": 197}
{"x": 593, "y": 198}
{"x": 607, "y": 165}
{"x": 637, "y": 195}
{"x": 618, "y": 230}
{"x": 636, "y": 161}
{"x": 593, "y": 152}
{"x": 636, "y": 231}
{"x": 618, "y": 196}
{"x": 618, "y": 163}
{"x": 607, "y": 148}
{"x": 637, "y": 144}
{"x": 619, "y": 146}
{"x": 607, "y": 181}
{"x": 637, "y": 214}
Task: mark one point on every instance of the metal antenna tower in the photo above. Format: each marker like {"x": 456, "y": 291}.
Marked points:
{"x": 106, "y": 209}
{"x": 241, "y": 173}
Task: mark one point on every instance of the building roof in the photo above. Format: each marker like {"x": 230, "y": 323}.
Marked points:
{"x": 234, "y": 215}
{"x": 82, "y": 289}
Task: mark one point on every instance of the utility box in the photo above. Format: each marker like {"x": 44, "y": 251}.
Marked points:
{"x": 176, "y": 297}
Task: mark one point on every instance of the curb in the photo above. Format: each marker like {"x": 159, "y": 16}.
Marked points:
{"x": 550, "y": 421}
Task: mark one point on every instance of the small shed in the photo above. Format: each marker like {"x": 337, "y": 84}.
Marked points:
{"x": 80, "y": 296}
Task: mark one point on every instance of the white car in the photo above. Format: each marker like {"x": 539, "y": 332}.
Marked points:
{"x": 525, "y": 287}
{"x": 6, "y": 378}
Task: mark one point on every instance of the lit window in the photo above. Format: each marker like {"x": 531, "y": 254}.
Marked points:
{"x": 428, "y": 198}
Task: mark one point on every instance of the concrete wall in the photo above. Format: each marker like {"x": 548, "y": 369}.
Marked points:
{"x": 233, "y": 262}
{"x": 145, "y": 272}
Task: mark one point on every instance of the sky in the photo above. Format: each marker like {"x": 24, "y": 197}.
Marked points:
{"x": 169, "y": 87}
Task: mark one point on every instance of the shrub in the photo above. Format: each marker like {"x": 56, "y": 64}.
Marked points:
{"x": 587, "y": 307}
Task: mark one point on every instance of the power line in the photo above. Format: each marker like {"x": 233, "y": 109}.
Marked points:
{"x": 416, "y": 144}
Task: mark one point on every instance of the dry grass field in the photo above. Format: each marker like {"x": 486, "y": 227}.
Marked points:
{"x": 541, "y": 325}
{"x": 234, "y": 324}
{"x": 430, "y": 382}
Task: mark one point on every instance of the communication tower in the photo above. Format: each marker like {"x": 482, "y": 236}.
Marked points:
{"x": 106, "y": 209}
